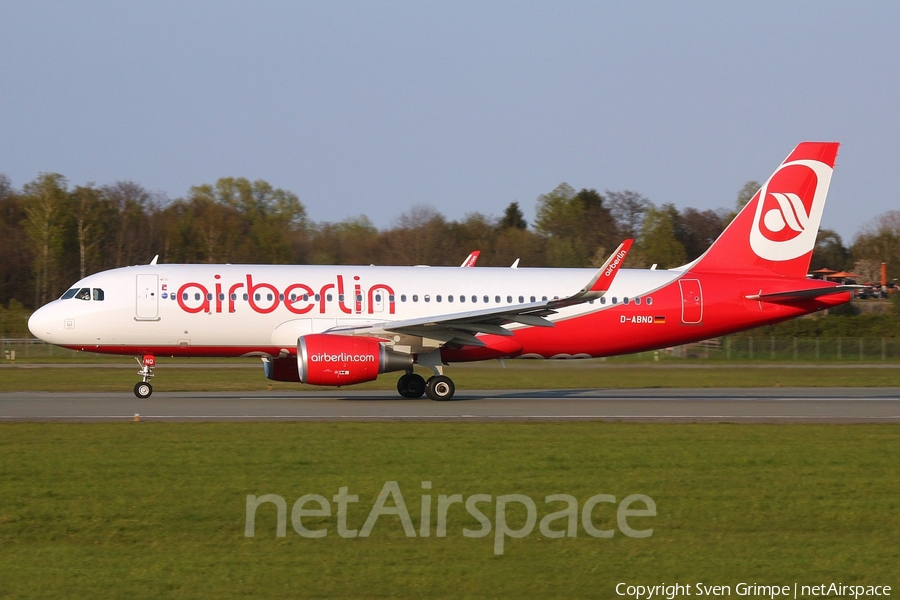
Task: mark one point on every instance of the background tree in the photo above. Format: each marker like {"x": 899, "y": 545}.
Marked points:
{"x": 45, "y": 202}
{"x": 658, "y": 243}
{"x": 880, "y": 241}
{"x": 628, "y": 209}
{"x": 16, "y": 274}
{"x": 513, "y": 217}
{"x": 698, "y": 230}
{"x": 353, "y": 241}
{"x": 829, "y": 252}
{"x": 576, "y": 225}
{"x": 88, "y": 206}
{"x": 746, "y": 194}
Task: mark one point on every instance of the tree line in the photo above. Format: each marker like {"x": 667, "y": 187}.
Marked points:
{"x": 52, "y": 234}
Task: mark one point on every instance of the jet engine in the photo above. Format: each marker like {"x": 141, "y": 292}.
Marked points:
{"x": 324, "y": 359}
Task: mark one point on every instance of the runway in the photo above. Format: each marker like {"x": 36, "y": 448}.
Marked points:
{"x": 735, "y": 405}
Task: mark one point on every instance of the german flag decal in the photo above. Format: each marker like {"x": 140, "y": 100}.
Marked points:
{"x": 659, "y": 320}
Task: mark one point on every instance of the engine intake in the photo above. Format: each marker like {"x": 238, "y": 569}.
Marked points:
{"x": 324, "y": 359}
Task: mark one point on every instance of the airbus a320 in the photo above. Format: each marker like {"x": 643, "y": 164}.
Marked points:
{"x": 342, "y": 325}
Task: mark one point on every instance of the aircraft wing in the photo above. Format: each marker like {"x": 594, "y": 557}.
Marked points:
{"x": 462, "y": 327}
{"x": 798, "y": 295}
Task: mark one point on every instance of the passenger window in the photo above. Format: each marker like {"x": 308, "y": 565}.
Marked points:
{"x": 521, "y": 299}
{"x": 402, "y": 297}
{"x": 625, "y": 299}
{"x": 257, "y": 297}
{"x": 438, "y": 297}
{"x": 532, "y": 299}
{"x": 427, "y": 298}
{"x": 543, "y": 298}
{"x": 98, "y": 294}
{"x": 649, "y": 301}
{"x": 602, "y": 299}
{"x": 306, "y": 297}
{"x": 328, "y": 297}
{"x": 233, "y": 297}
{"x": 450, "y": 298}
{"x": 390, "y": 297}
{"x": 637, "y": 300}
{"x": 614, "y": 300}
{"x": 280, "y": 297}
{"x": 509, "y": 299}
{"x": 415, "y": 297}
{"x": 462, "y": 298}
{"x": 341, "y": 297}
{"x": 196, "y": 295}
{"x": 221, "y": 297}
{"x": 496, "y": 299}
{"x": 317, "y": 297}
{"x": 246, "y": 297}
{"x": 83, "y": 294}
{"x": 69, "y": 294}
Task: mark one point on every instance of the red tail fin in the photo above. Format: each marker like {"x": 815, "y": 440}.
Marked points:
{"x": 777, "y": 229}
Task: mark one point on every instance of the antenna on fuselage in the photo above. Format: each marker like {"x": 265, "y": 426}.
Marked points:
{"x": 515, "y": 265}
{"x": 155, "y": 258}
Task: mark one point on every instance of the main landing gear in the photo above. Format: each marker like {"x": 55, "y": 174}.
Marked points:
{"x": 438, "y": 387}
{"x": 143, "y": 389}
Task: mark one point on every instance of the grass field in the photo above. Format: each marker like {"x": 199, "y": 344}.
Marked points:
{"x": 150, "y": 510}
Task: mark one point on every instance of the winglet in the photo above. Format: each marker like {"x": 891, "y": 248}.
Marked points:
{"x": 471, "y": 259}
{"x": 600, "y": 282}
{"x": 605, "y": 275}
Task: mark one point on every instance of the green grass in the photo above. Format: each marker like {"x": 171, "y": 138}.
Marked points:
{"x": 517, "y": 374}
{"x": 158, "y": 510}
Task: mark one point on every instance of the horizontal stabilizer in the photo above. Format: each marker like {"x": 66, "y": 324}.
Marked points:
{"x": 798, "y": 295}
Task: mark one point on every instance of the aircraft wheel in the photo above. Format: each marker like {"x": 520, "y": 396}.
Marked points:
{"x": 411, "y": 385}
{"x": 142, "y": 389}
{"x": 440, "y": 388}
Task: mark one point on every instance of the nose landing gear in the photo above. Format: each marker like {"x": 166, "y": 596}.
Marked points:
{"x": 143, "y": 389}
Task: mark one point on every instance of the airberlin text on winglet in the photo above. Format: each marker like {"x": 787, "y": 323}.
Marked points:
{"x": 298, "y": 298}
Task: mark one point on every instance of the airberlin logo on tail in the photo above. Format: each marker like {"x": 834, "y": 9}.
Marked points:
{"x": 788, "y": 210}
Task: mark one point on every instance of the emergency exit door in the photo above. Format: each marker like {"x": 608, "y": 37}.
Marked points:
{"x": 691, "y": 301}
{"x": 147, "y": 303}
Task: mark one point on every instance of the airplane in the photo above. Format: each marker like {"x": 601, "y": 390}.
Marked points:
{"x": 342, "y": 325}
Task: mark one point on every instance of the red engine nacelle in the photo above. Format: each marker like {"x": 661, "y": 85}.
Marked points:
{"x": 324, "y": 359}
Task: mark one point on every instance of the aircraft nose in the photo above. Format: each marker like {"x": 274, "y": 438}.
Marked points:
{"x": 40, "y": 324}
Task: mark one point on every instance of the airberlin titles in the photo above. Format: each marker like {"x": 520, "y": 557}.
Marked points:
{"x": 298, "y": 298}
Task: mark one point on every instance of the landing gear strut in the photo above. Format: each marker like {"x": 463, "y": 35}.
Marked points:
{"x": 143, "y": 389}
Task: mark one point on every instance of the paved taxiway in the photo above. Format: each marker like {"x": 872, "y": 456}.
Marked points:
{"x": 738, "y": 405}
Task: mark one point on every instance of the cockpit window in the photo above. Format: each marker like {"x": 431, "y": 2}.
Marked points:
{"x": 83, "y": 294}
{"x": 69, "y": 294}
{"x": 98, "y": 294}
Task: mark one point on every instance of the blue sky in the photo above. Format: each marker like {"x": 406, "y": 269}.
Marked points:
{"x": 374, "y": 107}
